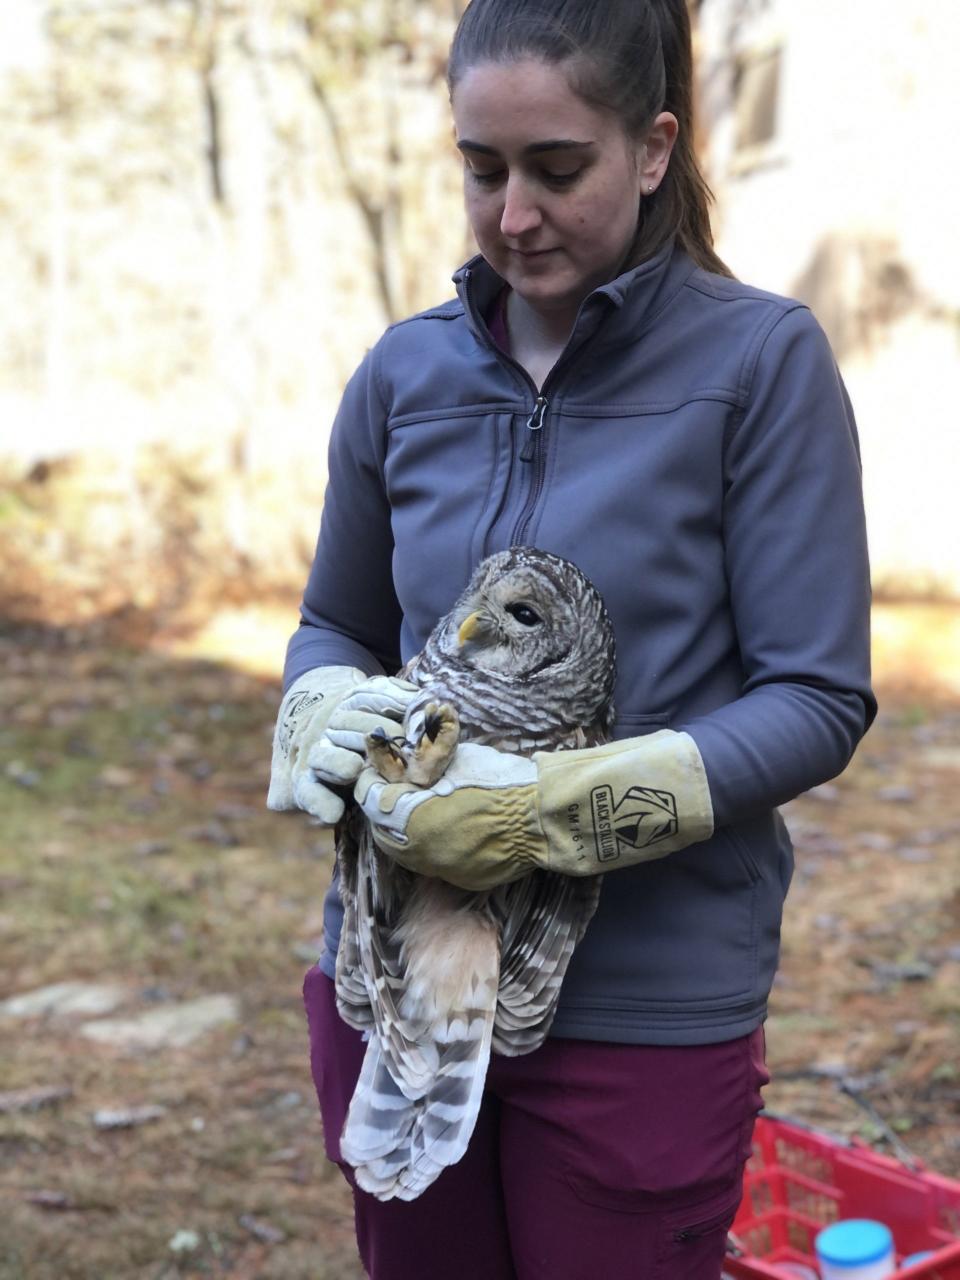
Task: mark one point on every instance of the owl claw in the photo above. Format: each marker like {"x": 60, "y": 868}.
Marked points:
{"x": 433, "y": 752}
{"x": 433, "y": 722}
{"x": 386, "y": 755}
{"x": 422, "y": 759}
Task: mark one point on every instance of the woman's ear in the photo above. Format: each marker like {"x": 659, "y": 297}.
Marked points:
{"x": 656, "y": 149}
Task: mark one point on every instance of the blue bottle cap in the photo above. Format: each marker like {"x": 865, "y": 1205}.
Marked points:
{"x": 854, "y": 1242}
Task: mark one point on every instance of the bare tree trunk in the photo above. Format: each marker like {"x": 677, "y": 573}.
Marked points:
{"x": 376, "y": 218}
{"x": 56, "y": 377}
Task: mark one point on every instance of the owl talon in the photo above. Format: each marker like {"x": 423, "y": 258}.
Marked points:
{"x": 386, "y": 756}
{"x": 434, "y": 750}
{"x": 433, "y": 722}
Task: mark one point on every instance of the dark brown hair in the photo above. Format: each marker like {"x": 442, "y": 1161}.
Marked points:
{"x": 631, "y": 57}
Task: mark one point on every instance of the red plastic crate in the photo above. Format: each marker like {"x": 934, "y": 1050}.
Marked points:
{"x": 799, "y": 1180}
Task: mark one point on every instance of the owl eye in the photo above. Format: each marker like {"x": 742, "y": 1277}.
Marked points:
{"x": 523, "y": 613}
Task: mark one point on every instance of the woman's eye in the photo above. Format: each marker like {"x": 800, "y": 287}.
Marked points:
{"x": 488, "y": 178}
{"x": 562, "y": 179}
{"x": 523, "y": 613}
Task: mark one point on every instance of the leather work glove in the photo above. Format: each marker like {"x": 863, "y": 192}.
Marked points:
{"x": 305, "y": 763}
{"x": 493, "y": 816}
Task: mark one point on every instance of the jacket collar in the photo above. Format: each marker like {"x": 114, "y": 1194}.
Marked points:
{"x": 617, "y": 312}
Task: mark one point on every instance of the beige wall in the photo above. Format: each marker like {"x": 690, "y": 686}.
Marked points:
{"x": 854, "y": 206}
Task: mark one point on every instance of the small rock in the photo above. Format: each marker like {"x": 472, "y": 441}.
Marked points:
{"x": 910, "y": 854}
{"x": 150, "y": 848}
{"x": 184, "y": 1242}
{"x": 54, "y": 850}
{"x": 878, "y": 840}
{"x": 49, "y": 1199}
{"x": 262, "y": 1231}
{"x": 155, "y": 994}
{"x": 19, "y": 774}
{"x": 308, "y": 952}
{"x": 142, "y": 805}
{"x": 33, "y": 1099}
{"x": 828, "y": 792}
{"x": 283, "y": 1155}
{"x": 832, "y": 1070}
{"x": 897, "y": 794}
{"x": 911, "y": 971}
{"x": 212, "y": 833}
{"x": 235, "y": 812}
{"x": 127, "y": 1117}
{"x": 286, "y": 1101}
{"x": 113, "y": 775}
{"x": 820, "y": 842}
{"x": 942, "y": 757}
{"x": 173, "y": 1026}
{"x": 62, "y": 999}
{"x": 827, "y": 922}
{"x": 929, "y": 835}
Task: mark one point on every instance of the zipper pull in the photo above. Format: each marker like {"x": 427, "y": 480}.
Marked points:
{"x": 534, "y": 424}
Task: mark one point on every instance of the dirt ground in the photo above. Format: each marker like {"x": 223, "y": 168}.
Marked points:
{"x": 135, "y": 851}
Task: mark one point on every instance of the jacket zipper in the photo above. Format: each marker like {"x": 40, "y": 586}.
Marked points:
{"x": 534, "y": 423}
{"x": 533, "y": 449}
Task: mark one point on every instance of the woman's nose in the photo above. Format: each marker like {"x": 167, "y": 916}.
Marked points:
{"x": 520, "y": 210}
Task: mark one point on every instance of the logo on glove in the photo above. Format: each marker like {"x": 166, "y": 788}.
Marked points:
{"x": 642, "y": 817}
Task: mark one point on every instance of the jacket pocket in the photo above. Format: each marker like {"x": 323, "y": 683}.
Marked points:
{"x": 638, "y": 725}
{"x": 741, "y": 852}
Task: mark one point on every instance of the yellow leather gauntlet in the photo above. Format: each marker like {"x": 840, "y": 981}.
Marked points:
{"x": 494, "y": 816}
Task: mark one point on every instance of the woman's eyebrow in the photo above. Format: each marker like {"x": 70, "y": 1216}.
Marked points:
{"x": 553, "y": 144}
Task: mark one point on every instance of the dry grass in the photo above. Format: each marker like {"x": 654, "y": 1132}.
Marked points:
{"x": 131, "y": 752}
{"x": 111, "y": 753}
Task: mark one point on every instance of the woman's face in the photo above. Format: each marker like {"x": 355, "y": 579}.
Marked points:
{"x": 552, "y": 184}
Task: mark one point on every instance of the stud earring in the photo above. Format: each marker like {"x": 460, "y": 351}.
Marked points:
{"x": 650, "y": 189}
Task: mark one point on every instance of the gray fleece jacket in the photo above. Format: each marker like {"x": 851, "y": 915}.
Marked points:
{"x": 694, "y": 452}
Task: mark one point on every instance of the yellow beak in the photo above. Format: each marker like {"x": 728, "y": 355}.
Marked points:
{"x": 469, "y": 627}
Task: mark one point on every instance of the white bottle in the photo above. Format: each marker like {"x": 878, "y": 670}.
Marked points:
{"x": 855, "y": 1249}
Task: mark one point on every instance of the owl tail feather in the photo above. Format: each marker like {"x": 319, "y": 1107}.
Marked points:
{"x": 399, "y": 1146}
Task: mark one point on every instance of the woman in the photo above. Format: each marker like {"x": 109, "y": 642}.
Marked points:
{"x": 601, "y": 388}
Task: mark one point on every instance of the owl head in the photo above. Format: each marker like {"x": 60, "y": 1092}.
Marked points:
{"x": 530, "y": 617}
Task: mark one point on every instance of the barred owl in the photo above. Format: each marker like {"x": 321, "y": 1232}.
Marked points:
{"x": 438, "y": 976}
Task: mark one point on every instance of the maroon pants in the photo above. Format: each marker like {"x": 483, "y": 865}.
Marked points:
{"x": 590, "y": 1161}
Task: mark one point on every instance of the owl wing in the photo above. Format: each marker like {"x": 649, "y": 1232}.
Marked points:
{"x": 442, "y": 990}
{"x": 542, "y": 918}
{"x": 384, "y": 892}
{"x": 353, "y": 1001}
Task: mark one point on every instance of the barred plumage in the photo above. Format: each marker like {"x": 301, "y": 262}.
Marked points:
{"x": 439, "y": 976}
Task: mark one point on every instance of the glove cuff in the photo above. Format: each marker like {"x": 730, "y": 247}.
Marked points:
{"x": 625, "y": 802}
{"x": 304, "y": 712}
